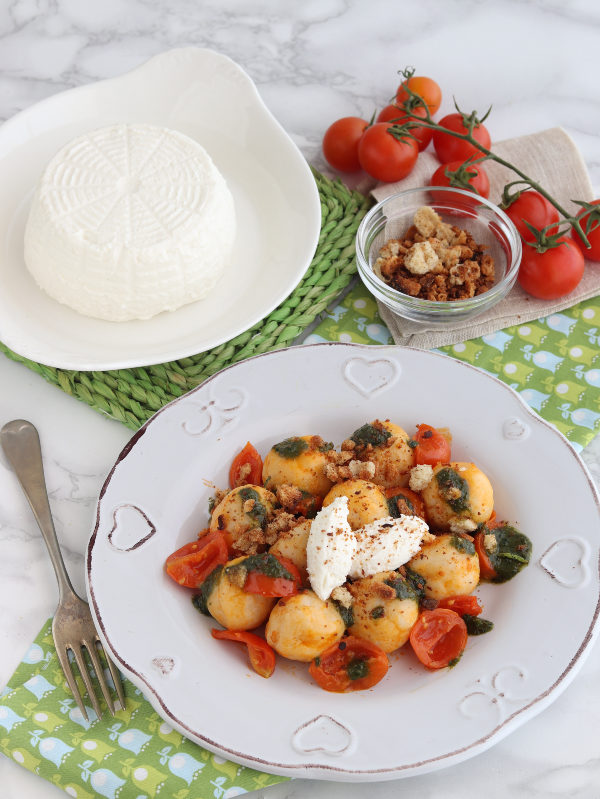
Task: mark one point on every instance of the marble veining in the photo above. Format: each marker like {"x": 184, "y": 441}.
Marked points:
{"x": 535, "y": 60}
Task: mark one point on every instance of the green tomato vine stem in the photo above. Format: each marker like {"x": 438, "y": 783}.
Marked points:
{"x": 471, "y": 122}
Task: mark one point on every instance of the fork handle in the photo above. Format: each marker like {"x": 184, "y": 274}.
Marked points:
{"x": 21, "y": 444}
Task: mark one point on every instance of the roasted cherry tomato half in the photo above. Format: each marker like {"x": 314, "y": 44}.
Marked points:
{"x": 246, "y": 468}
{"x": 351, "y": 664}
{"x": 191, "y": 564}
{"x": 438, "y": 638}
{"x": 412, "y": 499}
{"x": 432, "y": 447}
{"x": 461, "y": 604}
{"x": 259, "y": 583}
{"x": 262, "y": 657}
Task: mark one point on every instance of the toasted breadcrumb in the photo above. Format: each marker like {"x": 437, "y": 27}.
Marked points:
{"x": 421, "y": 258}
{"x": 462, "y": 525}
{"x": 355, "y": 470}
{"x": 420, "y": 477}
{"x": 244, "y": 473}
{"x": 281, "y": 522}
{"x": 237, "y": 575}
{"x": 342, "y": 595}
{"x": 289, "y": 497}
{"x": 426, "y": 220}
{"x": 250, "y": 541}
{"x": 490, "y": 542}
{"x": 248, "y": 505}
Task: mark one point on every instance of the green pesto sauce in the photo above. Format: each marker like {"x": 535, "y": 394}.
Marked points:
{"x": 347, "y": 614}
{"x": 265, "y": 563}
{"x": 259, "y": 513}
{"x": 449, "y": 479}
{"x": 455, "y": 660}
{"x": 476, "y": 625}
{"x": 378, "y": 612}
{"x": 392, "y": 504}
{"x": 462, "y": 544}
{"x": 403, "y": 586}
{"x": 512, "y": 554}
{"x": 291, "y": 447}
{"x": 200, "y": 601}
{"x": 369, "y": 434}
{"x": 357, "y": 669}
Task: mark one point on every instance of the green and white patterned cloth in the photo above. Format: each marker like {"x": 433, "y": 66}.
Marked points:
{"x": 136, "y": 755}
{"x": 553, "y": 362}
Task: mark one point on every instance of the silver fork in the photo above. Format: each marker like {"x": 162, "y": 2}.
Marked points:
{"x": 72, "y": 627}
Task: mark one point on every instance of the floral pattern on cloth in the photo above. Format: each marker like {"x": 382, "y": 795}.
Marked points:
{"x": 553, "y": 363}
{"x": 135, "y": 755}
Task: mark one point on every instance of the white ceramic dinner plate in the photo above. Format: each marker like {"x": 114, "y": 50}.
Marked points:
{"x": 156, "y": 499}
{"x": 210, "y": 98}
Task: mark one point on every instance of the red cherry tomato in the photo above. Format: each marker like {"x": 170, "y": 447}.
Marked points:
{"x": 191, "y": 564}
{"x": 449, "y": 148}
{"x": 246, "y": 468}
{"x": 432, "y": 447}
{"x": 474, "y": 174}
{"x": 461, "y": 604}
{"x": 340, "y": 143}
{"x": 426, "y": 88}
{"x": 438, "y": 637}
{"x": 262, "y": 657}
{"x": 384, "y": 157}
{"x": 531, "y": 206}
{"x": 396, "y": 115}
{"x": 351, "y": 664}
{"x": 592, "y": 252}
{"x": 259, "y": 583}
{"x": 554, "y": 273}
{"x": 412, "y": 499}
{"x": 486, "y": 570}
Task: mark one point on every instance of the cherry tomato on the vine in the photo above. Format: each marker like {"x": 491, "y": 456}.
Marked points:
{"x": 554, "y": 273}
{"x": 449, "y": 148}
{"x": 531, "y": 206}
{"x": 593, "y": 251}
{"x": 426, "y": 88}
{"x": 475, "y": 175}
{"x": 340, "y": 143}
{"x": 383, "y": 156}
{"x": 391, "y": 113}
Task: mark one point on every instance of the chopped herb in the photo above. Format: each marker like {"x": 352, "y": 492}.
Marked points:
{"x": 512, "y": 554}
{"x": 342, "y": 645}
{"x": 347, "y": 614}
{"x": 392, "y": 504}
{"x": 369, "y": 434}
{"x": 476, "y": 625}
{"x": 291, "y": 447}
{"x": 412, "y": 443}
{"x": 258, "y": 513}
{"x": 326, "y": 446}
{"x": 200, "y": 601}
{"x": 454, "y": 661}
{"x": 265, "y": 563}
{"x": 212, "y": 504}
{"x": 403, "y": 587}
{"x": 453, "y": 488}
{"x": 357, "y": 669}
{"x": 462, "y": 544}
{"x": 377, "y": 612}
{"x": 417, "y": 582}
{"x": 427, "y": 434}
{"x": 317, "y": 661}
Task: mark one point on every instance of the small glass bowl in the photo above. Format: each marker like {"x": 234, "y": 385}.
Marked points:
{"x": 488, "y": 225}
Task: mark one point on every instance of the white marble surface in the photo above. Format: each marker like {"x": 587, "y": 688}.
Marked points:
{"x": 313, "y": 62}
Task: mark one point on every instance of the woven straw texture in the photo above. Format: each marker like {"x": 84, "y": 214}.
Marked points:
{"x": 131, "y": 396}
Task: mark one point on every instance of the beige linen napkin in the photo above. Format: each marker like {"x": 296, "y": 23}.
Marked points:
{"x": 550, "y": 157}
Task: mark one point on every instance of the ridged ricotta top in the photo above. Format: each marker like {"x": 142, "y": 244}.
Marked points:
{"x": 128, "y": 221}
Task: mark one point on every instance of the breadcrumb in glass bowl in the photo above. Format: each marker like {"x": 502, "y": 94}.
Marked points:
{"x": 483, "y": 222}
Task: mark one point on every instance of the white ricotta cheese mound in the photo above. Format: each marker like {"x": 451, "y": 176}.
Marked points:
{"x": 386, "y": 544}
{"x": 129, "y": 221}
{"x": 330, "y": 548}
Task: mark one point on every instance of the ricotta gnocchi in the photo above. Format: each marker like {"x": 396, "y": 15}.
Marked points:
{"x": 128, "y": 221}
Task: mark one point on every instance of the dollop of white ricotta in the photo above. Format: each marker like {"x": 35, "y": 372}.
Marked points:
{"x": 330, "y": 548}
{"x": 386, "y": 544}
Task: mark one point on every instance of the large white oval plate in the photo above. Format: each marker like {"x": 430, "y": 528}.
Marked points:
{"x": 155, "y": 500}
{"x": 210, "y": 98}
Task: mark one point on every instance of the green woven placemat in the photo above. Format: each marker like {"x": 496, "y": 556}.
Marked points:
{"x": 131, "y": 396}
